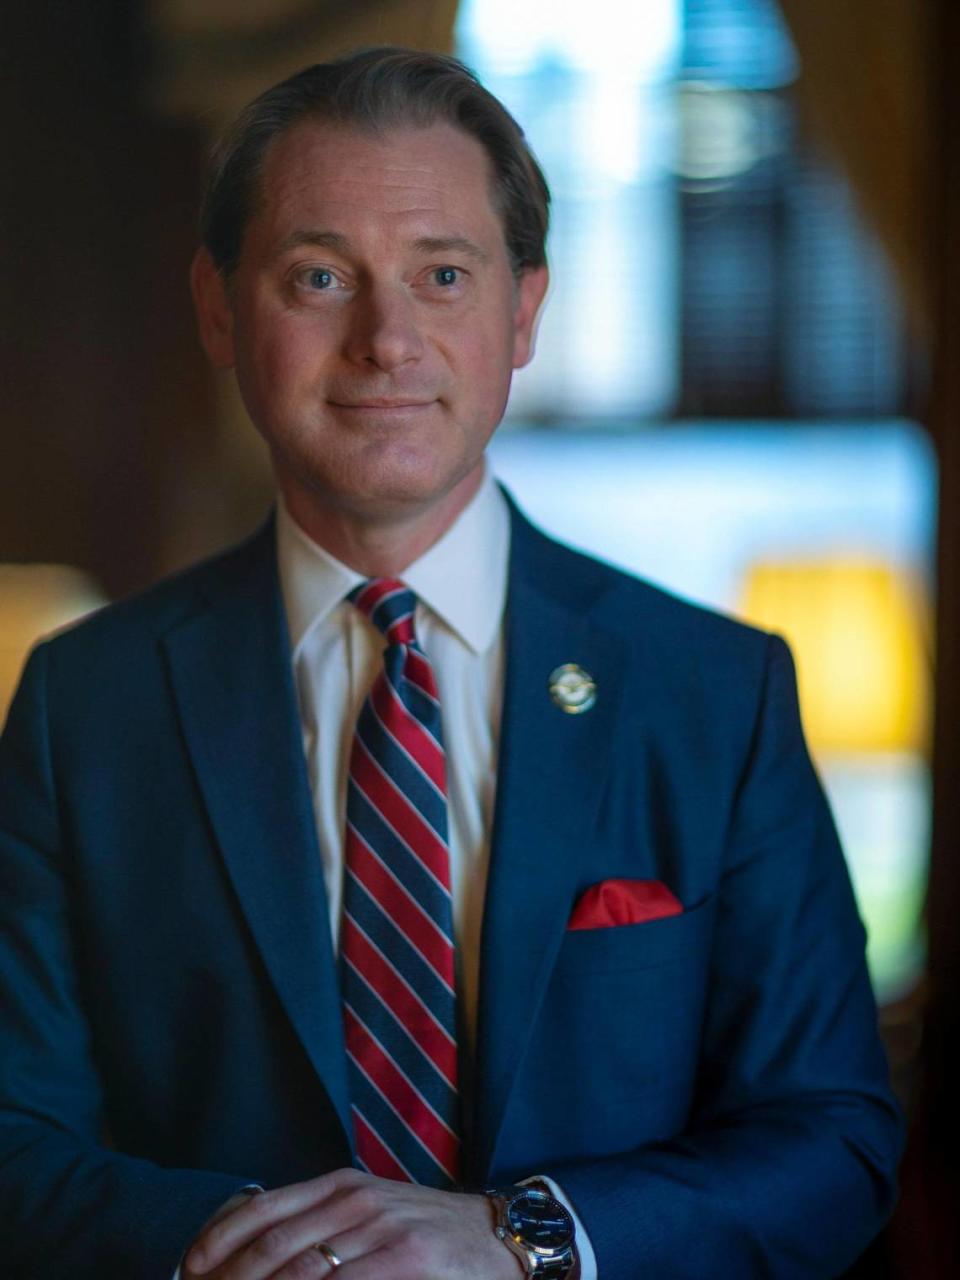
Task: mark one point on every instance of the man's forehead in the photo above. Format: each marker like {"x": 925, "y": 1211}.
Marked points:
{"x": 394, "y": 169}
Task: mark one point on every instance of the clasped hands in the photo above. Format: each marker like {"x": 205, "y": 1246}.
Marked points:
{"x": 379, "y": 1230}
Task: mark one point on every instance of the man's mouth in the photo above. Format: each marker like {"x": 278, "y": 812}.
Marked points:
{"x": 381, "y": 403}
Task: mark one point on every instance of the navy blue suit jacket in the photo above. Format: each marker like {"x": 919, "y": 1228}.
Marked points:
{"x": 708, "y": 1088}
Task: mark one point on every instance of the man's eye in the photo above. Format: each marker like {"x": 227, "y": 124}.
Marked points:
{"x": 320, "y": 278}
{"x": 446, "y": 276}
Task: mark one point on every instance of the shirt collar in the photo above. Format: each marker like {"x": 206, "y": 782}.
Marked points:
{"x": 462, "y": 578}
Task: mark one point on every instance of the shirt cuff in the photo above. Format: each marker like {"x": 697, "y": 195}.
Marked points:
{"x": 588, "y": 1259}
{"x": 235, "y": 1201}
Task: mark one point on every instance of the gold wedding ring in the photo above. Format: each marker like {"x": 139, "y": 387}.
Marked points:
{"x": 322, "y": 1247}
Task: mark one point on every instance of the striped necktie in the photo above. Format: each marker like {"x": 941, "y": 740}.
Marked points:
{"x": 396, "y": 942}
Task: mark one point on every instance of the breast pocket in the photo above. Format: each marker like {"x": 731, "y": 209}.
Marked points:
{"x": 684, "y": 939}
{"x": 618, "y": 1033}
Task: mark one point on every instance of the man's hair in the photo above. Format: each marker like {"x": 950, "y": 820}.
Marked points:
{"x": 376, "y": 90}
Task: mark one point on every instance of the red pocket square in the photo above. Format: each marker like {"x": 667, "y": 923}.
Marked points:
{"x": 616, "y": 902}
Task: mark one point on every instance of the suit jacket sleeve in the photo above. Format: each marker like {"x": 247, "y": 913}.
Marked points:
{"x": 787, "y": 1166}
{"x": 65, "y": 1196}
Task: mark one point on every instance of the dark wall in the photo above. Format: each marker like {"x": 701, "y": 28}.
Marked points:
{"x": 932, "y": 1168}
{"x": 106, "y": 399}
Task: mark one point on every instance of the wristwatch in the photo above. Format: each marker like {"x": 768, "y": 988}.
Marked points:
{"x": 537, "y": 1228}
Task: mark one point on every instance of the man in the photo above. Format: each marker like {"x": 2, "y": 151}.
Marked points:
{"x": 263, "y": 932}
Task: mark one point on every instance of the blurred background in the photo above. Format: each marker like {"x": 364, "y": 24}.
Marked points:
{"x": 747, "y": 387}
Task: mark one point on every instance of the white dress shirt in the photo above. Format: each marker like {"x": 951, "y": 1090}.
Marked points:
{"x": 461, "y": 589}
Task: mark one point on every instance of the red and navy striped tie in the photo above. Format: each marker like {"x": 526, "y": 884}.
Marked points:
{"x": 396, "y": 942}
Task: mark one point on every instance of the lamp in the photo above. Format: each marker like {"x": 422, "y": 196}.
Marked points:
{"x": 35, "y": 600}
{"x": 855, "y": 629}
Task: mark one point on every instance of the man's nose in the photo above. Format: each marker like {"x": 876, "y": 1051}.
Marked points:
{"x": 383, "y": 328}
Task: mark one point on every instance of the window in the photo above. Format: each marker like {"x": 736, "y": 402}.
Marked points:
{"x": 718, "y": 400}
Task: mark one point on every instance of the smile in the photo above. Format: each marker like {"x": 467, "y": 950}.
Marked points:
{"x": 383, "y": 405}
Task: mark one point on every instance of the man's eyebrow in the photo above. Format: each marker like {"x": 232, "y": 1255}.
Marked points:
{"x": 316, "y": 239}
{"x": 451, "y": 244}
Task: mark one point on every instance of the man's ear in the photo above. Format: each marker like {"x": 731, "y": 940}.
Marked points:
{"x": 531, "y": 288}
{"x": 214, "y": 313}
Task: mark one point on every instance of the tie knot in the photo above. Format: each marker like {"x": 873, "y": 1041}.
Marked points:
{"x": 389, "y": 604}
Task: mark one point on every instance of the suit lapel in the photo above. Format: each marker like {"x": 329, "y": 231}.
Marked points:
{"x": 232, "y": 681}
{"x": 231, "y": 675}
{"x": 550, "y": 773}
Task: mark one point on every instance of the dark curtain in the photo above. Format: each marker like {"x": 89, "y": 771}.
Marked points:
{"x": 880, "y": 87}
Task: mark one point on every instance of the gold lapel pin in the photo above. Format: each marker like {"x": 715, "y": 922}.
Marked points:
{"x": 572, "y": 689}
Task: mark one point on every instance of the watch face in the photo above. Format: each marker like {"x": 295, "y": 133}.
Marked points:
{"x": 539, "y": 1221}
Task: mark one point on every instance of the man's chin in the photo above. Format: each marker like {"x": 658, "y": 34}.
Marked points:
{"x": 408, "y": 501}
{"x": 401, "y": 496}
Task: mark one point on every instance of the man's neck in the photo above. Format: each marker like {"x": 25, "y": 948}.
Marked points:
{"x": 384, "y": 546}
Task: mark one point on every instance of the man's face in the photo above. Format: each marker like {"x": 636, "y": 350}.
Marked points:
{"x": 373, "y": 319}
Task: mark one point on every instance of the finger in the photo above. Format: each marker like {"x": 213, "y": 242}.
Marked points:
{"x": 377, "y": 1264}
{"x": 312, "y": 1264}
{"x": 373, "y": 1251}
{"x": 345, "y": 1247}
{"x": 323, "y": 1258}
{"x": 222, "y": 1239}
{"x": 330, "y": 1255}
{"x": 284, "y": 1250}
{"x": 350, "y": 1223}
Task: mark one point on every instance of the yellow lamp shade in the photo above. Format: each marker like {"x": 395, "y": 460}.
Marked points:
{"x": 856, "y": 630}
{"x": 36, "y": 599}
